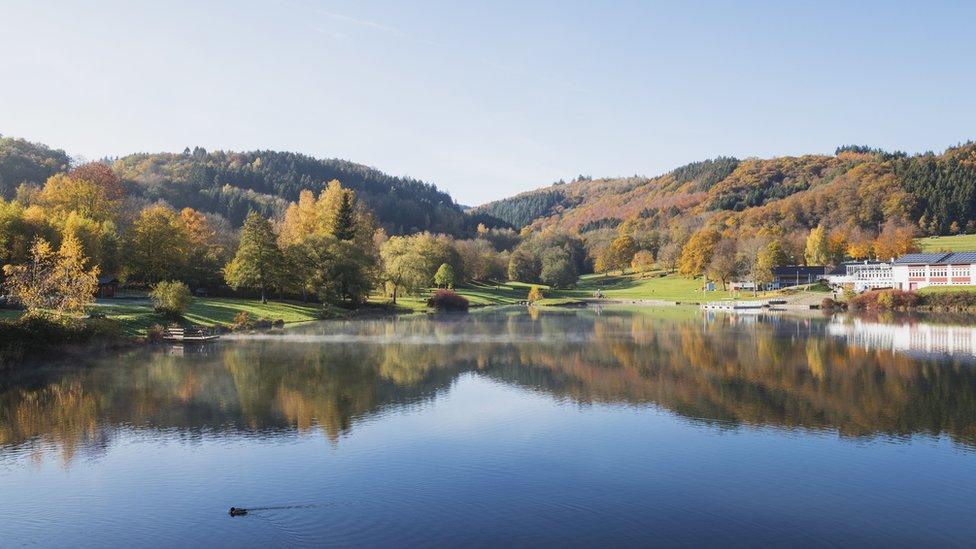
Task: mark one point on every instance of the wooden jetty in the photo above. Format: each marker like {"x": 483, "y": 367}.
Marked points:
{"x": 738, "y": 306}
{"x": 179, "y": 334}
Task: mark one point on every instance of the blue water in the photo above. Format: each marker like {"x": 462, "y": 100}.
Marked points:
{"x": 583, "y": 428}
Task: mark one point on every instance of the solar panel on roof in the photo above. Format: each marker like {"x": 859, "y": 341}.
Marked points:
{"x": 961, "y": 257}
{"x": 929, "y": 258}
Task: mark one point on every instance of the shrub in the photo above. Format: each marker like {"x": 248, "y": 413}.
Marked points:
{"x": 171, "y": 298}
{"x": 829, "y": 304}
{"x": 155, "y": 333}
{"x": 37, "y": 332}
{"x": 535, "y": 294}
{"x": 885, "y": 300}
{"x": 950, "y": 300}
{"x": 447, "y": 300}
{"x": 243, "y": 321}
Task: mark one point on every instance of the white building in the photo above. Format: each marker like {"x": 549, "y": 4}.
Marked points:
{"x": 917, "y": 271}
{"x": 862, "y": 275}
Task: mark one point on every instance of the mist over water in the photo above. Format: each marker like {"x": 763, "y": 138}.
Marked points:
{"x": 589, "y": 427}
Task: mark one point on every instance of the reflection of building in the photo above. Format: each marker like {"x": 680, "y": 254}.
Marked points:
{"x": 917, "y": 339}
{"x": 861, "y": 275}
{"x": 916, "y": 271}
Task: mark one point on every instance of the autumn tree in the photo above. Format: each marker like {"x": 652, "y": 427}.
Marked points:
{"x": 895, "y": 240}
{"x": 32, "y": 283}
{"x": 444, "y": 277}
{"x": 535, "y": 294}
{"x": 669, "y": 256}
{"x": 259, "y": 261}
{"x": 158, "y": 246}
{"x": 768, "y": 258}
{"x": 301, "y": 219}
{"x": 410, "y": 262}
{"x": 643, "y": 261}
{"x": 725, "y": 264}
{"x": 620, "y": 253}
{"x": 58, "y": 281}
{"x": 206, "y": 254}
{"x": 697, "y": 253}
{"x": 558, "y": 269}
{"x": 817, "y": 247}
{"x": 92, "y": 190}
{"x": 76, "y": 284}
{"x": 837, "y": 243}
{"x": 860, "y": 245}
{"x": 523, "y": 266}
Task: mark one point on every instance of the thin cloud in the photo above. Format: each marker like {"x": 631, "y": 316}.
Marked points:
{"x": 360, "y": 22}
{"x": 392, "y": 31}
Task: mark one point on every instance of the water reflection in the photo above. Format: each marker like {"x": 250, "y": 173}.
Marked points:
{"x": 848, "y": 375}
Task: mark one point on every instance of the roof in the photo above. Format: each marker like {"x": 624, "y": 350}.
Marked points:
{"x": 102, "y": 280}
{"x": 928, "y": 258}
{"x": 939, "y": 258}
{"x": 961, "y": 257}
{"x": 841, "y": 268}
{"x": 787, "y": 270}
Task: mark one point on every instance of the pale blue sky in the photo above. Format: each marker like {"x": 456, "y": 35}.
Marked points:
{"x": 486, "y": 99}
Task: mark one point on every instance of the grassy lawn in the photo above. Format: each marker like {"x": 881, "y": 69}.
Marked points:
{"x": 946, "y": 289}
{"x": 10, "y": 314}
{"x": 478, "y": 294}
{"x": 137, "y": 316}
{"x": 667, "y": 288}
{"x": 558, "y": 302}
{"x": 958, "y": 243}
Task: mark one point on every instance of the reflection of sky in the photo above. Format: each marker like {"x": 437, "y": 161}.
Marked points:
{"x": 491, "y": 464}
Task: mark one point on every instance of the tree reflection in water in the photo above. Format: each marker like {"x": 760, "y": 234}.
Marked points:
{"x": 765, "y": 371}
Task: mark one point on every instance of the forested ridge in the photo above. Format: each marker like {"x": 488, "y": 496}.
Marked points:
{"x": 233, "y": 183}
{"x": 857, "y": 187}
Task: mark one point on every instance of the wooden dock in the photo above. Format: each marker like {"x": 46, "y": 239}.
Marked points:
{"x": 738, "y": 306}
{"x": 179, "y": 334}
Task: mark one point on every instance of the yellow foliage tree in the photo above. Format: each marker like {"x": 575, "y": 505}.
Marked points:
{"x": 54, "y": 281}
{"x": 535, "y": 294}
{"x": 643, "y": 261}
{"x": 818, "y": 247}
{"x": 31, "y": 283}
{"x": 74, "y": 284}
{"x": 697, "y": 253}
{"x": 91, "y": 190}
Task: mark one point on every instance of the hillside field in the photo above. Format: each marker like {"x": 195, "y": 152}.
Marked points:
{"x": 957, "y": 243}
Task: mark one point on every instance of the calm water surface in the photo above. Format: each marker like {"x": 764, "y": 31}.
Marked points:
{"x": 609, "y": 427}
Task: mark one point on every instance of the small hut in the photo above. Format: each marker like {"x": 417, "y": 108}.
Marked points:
{"x": 107, "y": 285}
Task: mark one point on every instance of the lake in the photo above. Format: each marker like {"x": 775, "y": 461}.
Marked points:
{"x": 590, "y": 427}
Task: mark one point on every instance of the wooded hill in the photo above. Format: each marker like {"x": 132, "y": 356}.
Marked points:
{"x": 857, "y": 188}
{"x": 232, "y": 183}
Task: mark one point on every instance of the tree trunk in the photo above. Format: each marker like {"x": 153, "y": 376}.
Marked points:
{"x": 395, "y": 288}
{"x": 264, "y": 299}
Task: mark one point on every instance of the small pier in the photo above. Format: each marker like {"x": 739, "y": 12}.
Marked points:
{"x": 179, "y": 334}
{"x": 740, "y": 306}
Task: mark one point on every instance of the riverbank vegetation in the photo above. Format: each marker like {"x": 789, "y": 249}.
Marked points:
{"x": 271, "y": 233}
{"x": 939, "y": 299}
